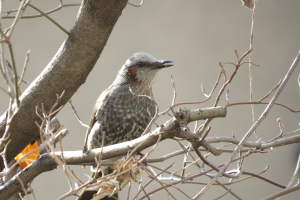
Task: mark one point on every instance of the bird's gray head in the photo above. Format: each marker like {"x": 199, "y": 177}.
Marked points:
{"x": 131, "y": 71}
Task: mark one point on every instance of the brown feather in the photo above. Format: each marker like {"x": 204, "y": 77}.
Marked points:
{"x": 131, "y": 73}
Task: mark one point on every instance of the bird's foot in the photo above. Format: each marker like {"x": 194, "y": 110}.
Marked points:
{"x": 85, "y": 150}
{"x": 145, "y": 161}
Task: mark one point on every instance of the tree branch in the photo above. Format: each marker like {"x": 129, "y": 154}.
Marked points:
{"x": 168, "y": 130}
{"x": 67, "y": 70}
{"x": 46, "y": 163}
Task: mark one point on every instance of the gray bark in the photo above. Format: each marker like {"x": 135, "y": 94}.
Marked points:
{"x": 67, "y": 71}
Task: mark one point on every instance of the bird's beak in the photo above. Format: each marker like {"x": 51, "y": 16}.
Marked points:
{"x": 162, "y": 64}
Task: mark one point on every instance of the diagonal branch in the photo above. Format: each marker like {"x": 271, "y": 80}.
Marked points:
{"x": 68, "y": 69}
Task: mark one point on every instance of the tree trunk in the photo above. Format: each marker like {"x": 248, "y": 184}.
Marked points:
{"x": 67, "y": 71}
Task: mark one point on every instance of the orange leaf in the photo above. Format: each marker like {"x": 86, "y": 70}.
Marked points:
{"x": 30, "y": 158}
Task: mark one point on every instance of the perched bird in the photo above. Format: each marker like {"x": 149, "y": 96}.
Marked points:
{"x": 119, "y": 115}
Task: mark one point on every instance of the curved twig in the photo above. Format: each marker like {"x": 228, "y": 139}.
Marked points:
{"x": 256, "y": 102}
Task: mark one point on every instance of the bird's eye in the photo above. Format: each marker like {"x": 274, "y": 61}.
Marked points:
{"x": 140, "y": 64}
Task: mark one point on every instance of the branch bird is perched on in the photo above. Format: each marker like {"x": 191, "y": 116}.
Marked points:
{"x": 118, "y": 114}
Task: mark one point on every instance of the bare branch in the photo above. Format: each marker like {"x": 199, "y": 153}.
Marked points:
{"x": 284, "y": 192}
{"x": 278, "y": 104}
{"x": 152, "y": 180}
{"x": 174, "y": 90}
{"x": 45, "y": 162}
{"x": 24, "y": 67}
{"x": 40, "y": 15}
{"x": 53, "y": 21}
{"x": 265, "y": 179}
{"x": 255, "y": 125}
{"x": 76, "y": 114}
{"x": 199, "y": 102}
{"x": 266, "y": 96}
{"x": 231, "y": 78}
{"x": 188, "y": 178}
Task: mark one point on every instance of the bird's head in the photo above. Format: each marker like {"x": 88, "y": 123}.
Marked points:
{"x": 131, "y": 72}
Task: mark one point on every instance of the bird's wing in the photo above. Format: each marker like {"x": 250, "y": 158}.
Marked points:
{"x": 120, "y": 115}
{"x": 100, "y": 105}
{"x": 94, "y": 117}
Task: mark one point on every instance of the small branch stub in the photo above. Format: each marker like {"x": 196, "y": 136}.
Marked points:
{"x": 187, "y": 116}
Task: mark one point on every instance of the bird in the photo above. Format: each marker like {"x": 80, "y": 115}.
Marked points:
{"x": 120, "y": 114}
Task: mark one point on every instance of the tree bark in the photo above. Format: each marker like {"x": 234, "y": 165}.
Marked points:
{"x": 67, "y": 70}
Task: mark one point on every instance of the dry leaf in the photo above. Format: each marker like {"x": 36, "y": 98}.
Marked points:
{"x": 112, "y": 186}
{"x": 248, "y": 3}
{"x": 30, "y": 158}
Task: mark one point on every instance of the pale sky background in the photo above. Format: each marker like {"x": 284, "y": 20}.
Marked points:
{"x": 196, "y": 36}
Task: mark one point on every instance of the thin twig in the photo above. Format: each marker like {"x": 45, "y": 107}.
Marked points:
{"x": 162, "y": 171}
{"x": 24, "y": 68}
{"x": 237, "y": 66}
{"x": 222, "y": 195}
{"x": 20, "y": 12}
{"x": 53, "y": 21}
{"x": 23, "y": 187}
{"x": 278, "y": 104}
{"x": 197, "y": 102}
{"x": 250, "y": 71}
{"x": 64, "y": 164}
{"x": 237, "y": 175}
{"x": 237, "y": 181}
{"x": 16, "y": 88}
{"x": 76, "y": 114}
{"x": 40, "y": 15}
{"x": 284, "y": 192}
{"x": 254, "y": 126}
{"x": 165, "y": 171}
{"x": 295, "y": 173}
{"x": 190, "y": 177}
{"x": 200, "y": 131}
{"x": 100, "y": 156}
{"x": 16, "y": 163}
{"x": 4, "y": 91}
{"x": 223, "y": 71}
{"x": 155, "y": 178}
{"x": 174, "y": 91}
{"x": 229, "y": 190}
{"x": 129, "y": 187}
{"x": 266, "y": 96}
{"x": 265, "y": 179}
